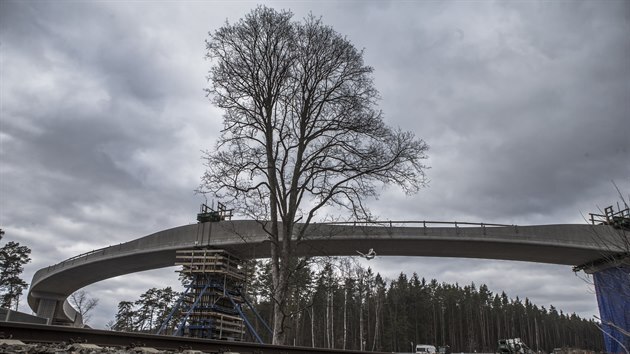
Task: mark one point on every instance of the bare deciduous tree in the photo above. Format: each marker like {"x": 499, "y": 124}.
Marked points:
{"x": 82, "y": 301}
{"x": 301, "y": 132}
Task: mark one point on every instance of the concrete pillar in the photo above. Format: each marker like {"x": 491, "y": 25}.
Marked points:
{"x": 47, "y": 308}
{"x": 612, "y": 286}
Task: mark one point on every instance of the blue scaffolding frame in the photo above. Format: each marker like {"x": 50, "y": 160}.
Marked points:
{"x": 211, "y": 286}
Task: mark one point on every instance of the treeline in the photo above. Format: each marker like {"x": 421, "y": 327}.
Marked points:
{"x": 345, "y": 306}
{"x": 147, "y": 313}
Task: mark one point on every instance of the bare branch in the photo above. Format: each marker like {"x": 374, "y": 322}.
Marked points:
{"x": 301, "y": 131}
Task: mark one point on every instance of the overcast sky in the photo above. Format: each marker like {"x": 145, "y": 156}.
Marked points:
{"x": 525, "y": 105}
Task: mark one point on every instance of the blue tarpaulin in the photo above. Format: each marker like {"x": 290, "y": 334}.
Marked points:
{"x": 612, "y": 287}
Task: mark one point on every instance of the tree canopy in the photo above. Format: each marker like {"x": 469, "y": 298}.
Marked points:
{"x": 302, "y": 131}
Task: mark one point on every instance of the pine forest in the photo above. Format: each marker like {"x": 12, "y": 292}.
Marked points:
{"x": 341, "y": 304}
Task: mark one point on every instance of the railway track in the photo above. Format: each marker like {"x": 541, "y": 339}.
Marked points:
{"x": 37, "y": 333}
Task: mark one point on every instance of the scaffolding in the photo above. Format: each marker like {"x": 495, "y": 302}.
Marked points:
{"x": 618, "y": 219}
{"x": 212, "y": 304}
{"x": 215, "y": 276}
{"x": 208, "y": 214}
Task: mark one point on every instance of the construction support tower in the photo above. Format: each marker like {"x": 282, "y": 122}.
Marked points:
{"x": 212, "y": 305}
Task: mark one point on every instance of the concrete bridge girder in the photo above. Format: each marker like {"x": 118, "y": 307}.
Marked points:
{"x": 556, "y": 244}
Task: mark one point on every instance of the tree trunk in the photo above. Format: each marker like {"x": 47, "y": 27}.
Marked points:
{"x": 345, "y": 318}
{"x": 376, "y": 329}
{"x": 313, "y": 326}
{"x": 332, "y": 318}
{"x": 280, "y": 280}
{"x": 327, "y": 320}
{"x": 361, "y": 346}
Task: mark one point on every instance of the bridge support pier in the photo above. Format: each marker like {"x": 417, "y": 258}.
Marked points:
{"x": 211, "y": 306}
{"x": 47, "y": 309}
{"x": 612, "y": 287}
{"x": 51, "y": 306}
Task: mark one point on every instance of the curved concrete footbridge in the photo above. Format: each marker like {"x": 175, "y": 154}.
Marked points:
{"x": 556, "y": 244}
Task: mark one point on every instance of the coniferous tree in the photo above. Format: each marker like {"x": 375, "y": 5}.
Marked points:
{"x": 13, "y": 257}
{"x": 124, "y": 320}
{"x": 343, "y": 305}
{"x": 148, "y": 312}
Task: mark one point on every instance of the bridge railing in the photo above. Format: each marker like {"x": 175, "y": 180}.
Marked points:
{"x": 378, "y": 223}
{"x": 72, "y": 259}
{"x": 99, "y": 251}
{"x": 424, "y": 223}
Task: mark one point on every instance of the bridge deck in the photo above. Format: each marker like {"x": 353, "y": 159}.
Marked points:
{"x": 556, "y": 244}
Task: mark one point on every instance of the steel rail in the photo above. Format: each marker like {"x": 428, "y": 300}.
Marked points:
{"x": 34, "y": 333}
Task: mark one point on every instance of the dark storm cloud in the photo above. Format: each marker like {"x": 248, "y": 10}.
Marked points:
{"x": 93, "y": 39}
{"x": 88, "y": 111}
{"x": 525, "y": 106}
